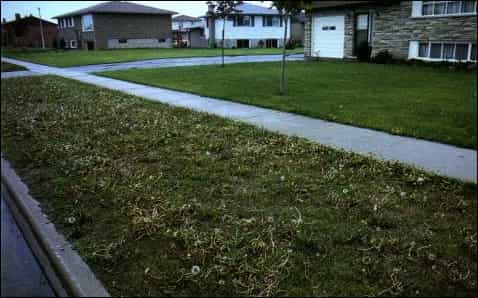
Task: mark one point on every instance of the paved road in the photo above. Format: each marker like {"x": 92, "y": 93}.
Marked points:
{"x": 173, "y": 62}
{"x": 434, "y": 157}
{"x": 21, "y": 273}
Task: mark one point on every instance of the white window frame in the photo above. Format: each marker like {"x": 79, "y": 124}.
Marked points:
{"x": 73, "y": 42}
{"x": 429, "y": 43}
{"x": 72, "y": 21}
{"x": 83, "y": 23}
{"x": 433, "y": 15}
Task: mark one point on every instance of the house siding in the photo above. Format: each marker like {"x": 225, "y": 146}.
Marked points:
{"x": 394, "y": 28}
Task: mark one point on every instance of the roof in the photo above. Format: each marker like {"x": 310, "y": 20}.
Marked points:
{"x": 251, "y": 9}
{"x": 331, "y": 4}
{"x": 13, "y": 22}
{"x": 183, "y": 18}
{"x": 120, "y": 7}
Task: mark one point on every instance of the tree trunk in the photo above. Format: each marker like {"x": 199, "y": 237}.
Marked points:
{"x": 282, "y": 77}
{"x": 222, "y": 47}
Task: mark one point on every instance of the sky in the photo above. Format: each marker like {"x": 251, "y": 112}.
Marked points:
{"x": 50, "y": 9}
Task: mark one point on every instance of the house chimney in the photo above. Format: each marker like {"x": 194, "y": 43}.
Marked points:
{"x": 17, "y": 17}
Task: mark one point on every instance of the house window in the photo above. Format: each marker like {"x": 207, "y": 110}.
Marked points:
{"x": 73, "y": 44}
{"x": 423, "y": 50}
{"x": 161, "y": 40}
{"x": 243, "y": 43}
{"x": 443, "y": 8}
{"x": 244, "y": 21}
{"x": 87, "y": 22}
{"x": 122, "y": 40}
{"x": 271, "y": 21}
{"x": 447, "y": 51}
{"x": 271, "y": 43}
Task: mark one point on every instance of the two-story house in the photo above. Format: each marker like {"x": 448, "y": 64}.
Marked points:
{"x": 253, "y": 26}
{"x": 26, "y": 32}
{"x": 189, "y": 32}
{"x": 426, "y": 30}
{"x": 114, "y": 25}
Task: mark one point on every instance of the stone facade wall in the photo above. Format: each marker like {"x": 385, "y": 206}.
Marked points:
{"x": 394, "y": 27}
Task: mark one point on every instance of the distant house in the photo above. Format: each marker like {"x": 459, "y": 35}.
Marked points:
{"x": 25, "y": 32}
{"x": 297, "y": 28}
{"x": 425, "y": 30}
{"x": 189, "y": 32}
{"x": 115, "y": 25}
{"x": 253, "y": 26}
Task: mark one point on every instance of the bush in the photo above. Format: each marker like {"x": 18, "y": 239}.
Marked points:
{"x": 291, "y": 44}
{"x": 260, "y": 44}
{"x": 364, "y": 51}
{"x": 383, "y": 57}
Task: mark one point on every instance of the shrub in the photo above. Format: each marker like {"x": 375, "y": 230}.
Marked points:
{"x": 364, "y": 51}
{"x": 383, "y": 57}
{"x": 260, "y": 44}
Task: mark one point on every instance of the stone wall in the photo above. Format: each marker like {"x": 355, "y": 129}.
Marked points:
{"x": 394, "y": 28}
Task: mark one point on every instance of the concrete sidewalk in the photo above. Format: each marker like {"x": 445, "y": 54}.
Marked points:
{"x": 433, "y": 157}
{"x": 18, "y": 74}
{"x": 174, "y": 62}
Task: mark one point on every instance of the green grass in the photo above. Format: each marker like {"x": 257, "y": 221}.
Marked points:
{"x": 77, "y": 58}
{"x": 6, "y": 67}
{"x": 146, "y": 191}
{"x": 421, "y": 102}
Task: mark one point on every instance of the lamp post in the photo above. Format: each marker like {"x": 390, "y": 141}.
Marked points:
{"x": 41, "y": 30}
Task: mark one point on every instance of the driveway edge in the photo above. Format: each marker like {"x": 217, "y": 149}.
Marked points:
{"x": 67, "y": 273}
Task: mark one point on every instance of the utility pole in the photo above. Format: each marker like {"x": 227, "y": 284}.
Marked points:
{"x": 41, "y": 30}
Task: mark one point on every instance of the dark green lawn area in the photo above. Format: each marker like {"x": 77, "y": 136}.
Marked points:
{"x": 6, "y": 67}
{"x": 422, "y": 102}
{"x": 146, "y": 191}
{"x": 76, "y": 58}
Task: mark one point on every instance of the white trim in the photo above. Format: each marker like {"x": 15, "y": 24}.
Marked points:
{"x": 73, "y": 41}
{"x": 418, "y": 12}
{"x": 411, "y": 51}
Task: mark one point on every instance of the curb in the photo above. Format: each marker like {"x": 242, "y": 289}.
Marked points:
{"x": 67, "y": 273}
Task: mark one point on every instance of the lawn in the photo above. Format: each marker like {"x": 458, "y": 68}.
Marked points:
{"x": 77, "y": 58}
{"x": 6, "y": 67}
{"x": 422, "y": 102}
{"x": 146, "y": 192}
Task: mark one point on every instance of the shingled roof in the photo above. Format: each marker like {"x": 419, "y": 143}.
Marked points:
{"x": 119, "y": 7}
{"x": 185, "y": 18}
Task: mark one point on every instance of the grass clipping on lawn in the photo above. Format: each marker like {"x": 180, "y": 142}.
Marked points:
{"x": 165, "y": 201}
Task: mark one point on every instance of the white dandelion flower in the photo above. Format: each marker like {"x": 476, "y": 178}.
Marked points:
{"x": 195, "y": 270}
{"x": 71, "y": 220}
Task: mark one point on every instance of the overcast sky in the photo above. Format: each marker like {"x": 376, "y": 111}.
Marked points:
{"x": 50, "y": 9}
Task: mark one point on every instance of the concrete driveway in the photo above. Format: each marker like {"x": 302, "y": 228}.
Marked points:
{"x": 174, "y": 62}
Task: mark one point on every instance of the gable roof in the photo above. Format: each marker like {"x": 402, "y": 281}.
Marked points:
{"x": 247, "y": 8}
{"x": 120, "y": 7}
{"x": 182, "y": 18}
{"x": 29, "y": 18}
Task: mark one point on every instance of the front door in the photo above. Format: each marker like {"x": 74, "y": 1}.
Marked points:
{"x": 90, "y": 45}
{"x": 361, "y": 31}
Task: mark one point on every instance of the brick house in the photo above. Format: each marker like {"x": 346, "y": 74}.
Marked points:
{"x": 25, "y": 32}
{"x": 425, "y": 30}
{"x": 115, "y": 25}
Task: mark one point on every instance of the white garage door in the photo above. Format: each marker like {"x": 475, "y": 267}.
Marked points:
{"x": 328, "y": 36}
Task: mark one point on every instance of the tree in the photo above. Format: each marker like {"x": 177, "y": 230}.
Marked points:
{"x": 286, "y": 9}
{"x": 221, "y": 9}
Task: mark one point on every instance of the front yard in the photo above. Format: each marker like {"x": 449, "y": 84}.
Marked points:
{"x": 6, "y": 67}
{"x": 422, "y": 102}
{"x": 166, "y": 201}
{"x": 63, "y": 58}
